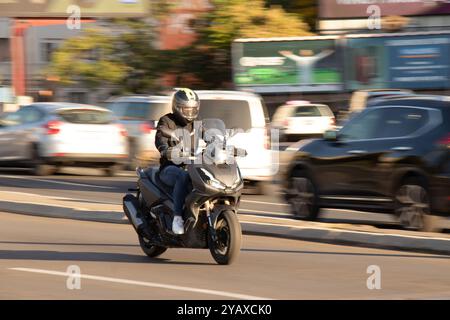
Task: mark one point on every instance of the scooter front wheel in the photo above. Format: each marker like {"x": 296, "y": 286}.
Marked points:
{"x": 149, "y": 249}
{"x": 229, "y": 238}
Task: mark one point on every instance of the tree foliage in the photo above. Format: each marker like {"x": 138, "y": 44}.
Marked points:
{"x": 123, "y": 51}
{"x": 307, "y": 10}
{"x": 209, "y": 58}
{"x": 90, "y": 59}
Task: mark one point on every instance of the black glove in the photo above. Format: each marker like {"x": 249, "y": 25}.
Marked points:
{"x": 171, "y": 152}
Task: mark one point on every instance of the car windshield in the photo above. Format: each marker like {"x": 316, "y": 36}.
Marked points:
{"x": 234, "y": 113}
{"x": 86, "y": 116}
{"x": 139, "y": 110}
{"x": 307, "y": 111}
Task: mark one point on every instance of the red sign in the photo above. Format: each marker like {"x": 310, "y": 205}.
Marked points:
{"x": 332, "y": 9}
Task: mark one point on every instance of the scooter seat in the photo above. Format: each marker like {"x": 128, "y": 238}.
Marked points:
{"x": 153, "y": 176}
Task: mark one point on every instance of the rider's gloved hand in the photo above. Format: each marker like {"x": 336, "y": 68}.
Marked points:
{"x": 169, "y": 153}
{"x": 175, "y": 153}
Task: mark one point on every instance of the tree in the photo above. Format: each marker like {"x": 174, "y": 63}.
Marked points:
{"x": 305, "y": 9}
{"x": 89, "y": 59}
{"x": 135, "y": 44}
{"x": 122, "y": 52}
{"x": 209, "y": 58}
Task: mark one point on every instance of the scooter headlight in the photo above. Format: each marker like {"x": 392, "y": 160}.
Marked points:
{"x": 238, "y": 180}
{"x": 210, "y": 179}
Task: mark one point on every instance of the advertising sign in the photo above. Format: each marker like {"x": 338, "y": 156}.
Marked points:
{"x": 306, "y": 65}
{"x": 335, "y": 9}
{"x": 419, "y": 62}
{"x": 410, "y": 62}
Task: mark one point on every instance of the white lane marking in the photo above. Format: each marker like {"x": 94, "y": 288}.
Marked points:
{"x": 145, "y": 284}
{"x": 58, "y": 182}
{"x": 259, "y": 211}
{"x": 263, "y": 202}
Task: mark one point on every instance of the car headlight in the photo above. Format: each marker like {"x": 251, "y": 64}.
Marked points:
{"x": 210, "y": 179}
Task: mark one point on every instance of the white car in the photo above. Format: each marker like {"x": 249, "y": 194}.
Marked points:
{"x": 245, "y": 111}
{"x": 301, "y": 119}
{"x": 140, "y": 115}
{"x": 51, "y": 135}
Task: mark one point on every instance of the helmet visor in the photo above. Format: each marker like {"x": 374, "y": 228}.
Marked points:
{"x": 190, "y": 112}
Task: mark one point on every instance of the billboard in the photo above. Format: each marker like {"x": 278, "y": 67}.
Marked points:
{"x": 410, "y": 62}
{"x": 277, "y": 65}
{"x": 335, "y": 9}
{"x": 59, "y": 8}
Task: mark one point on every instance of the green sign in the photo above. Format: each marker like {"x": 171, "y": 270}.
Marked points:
{"x": 287, "y": 65}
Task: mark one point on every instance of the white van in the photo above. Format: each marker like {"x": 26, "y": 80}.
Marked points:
{"x": 247, "y": 111}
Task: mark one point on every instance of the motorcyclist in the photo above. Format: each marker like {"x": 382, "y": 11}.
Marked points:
{"x": 185, "y": 109}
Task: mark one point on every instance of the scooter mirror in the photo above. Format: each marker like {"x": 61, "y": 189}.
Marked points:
{"x": 240, "y": 152}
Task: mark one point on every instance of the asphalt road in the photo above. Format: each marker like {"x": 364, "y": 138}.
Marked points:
{"x": 87, "y": 185}
{"x": 35, "y": 254}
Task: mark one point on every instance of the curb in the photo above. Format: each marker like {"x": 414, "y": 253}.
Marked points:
{"x": 316, "y": 234}
{"x": 347, "y": 237}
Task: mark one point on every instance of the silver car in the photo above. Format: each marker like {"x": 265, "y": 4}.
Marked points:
{"x": 47, "y": 136}
{"x": 140, "y": 115}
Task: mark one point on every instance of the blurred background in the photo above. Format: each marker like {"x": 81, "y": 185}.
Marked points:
{"x": 303, "y": 67}
{"x": 123, "y": 47}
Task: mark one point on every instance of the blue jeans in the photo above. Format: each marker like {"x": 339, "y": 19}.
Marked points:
{"x": 178, "y": 179}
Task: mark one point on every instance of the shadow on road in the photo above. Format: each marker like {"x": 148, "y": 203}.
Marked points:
{"x": 45, "y": 255}
{"x": 71, "y": 244}
{"x": 347, "y": 253}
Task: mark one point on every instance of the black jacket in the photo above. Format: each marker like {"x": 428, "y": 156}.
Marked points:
{"x": 163, "y": 143}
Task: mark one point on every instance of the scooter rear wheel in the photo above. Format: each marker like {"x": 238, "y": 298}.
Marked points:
{"x": 229, "y": 238}
{"x": 150, "y": 250}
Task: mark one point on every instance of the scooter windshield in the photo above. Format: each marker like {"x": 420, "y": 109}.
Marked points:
{"x": 213, "y": 128}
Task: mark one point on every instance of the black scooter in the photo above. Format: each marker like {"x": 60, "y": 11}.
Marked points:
{"x": 210, "y": 211}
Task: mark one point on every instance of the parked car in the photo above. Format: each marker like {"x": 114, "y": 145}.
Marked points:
{"x": 363, "y": 99}
{"x": 246, "y": 111}
{"x": 140, "y": 115}
{"x": 46, "y": 136}
{"x": 298, "y": 120}
{"x": 393, "y": 158}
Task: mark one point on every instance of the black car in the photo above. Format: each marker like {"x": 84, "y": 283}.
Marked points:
{"x": 393, "y": 157}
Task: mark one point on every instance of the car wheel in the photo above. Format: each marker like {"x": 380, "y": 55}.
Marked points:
{"x": 39, "y": 167}
{"x": 413, "y": 205}
{"x": 43, "y": 169}
{"x": 111, "y": 171}
{"x": 302, "y": 196}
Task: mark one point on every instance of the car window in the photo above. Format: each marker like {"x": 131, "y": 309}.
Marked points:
{"x": 235, "y": 113}
{"x": 326, "y": 111}
{"x": 14, "y": 118}
{"x": 400, "y": 121}
{"x": 363, "y": 126}
{"x": 307, "y": 111}
{"x": 82, "y": 116}
{"x": 31, "y": 114}
{"x": 139, "y": 110}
